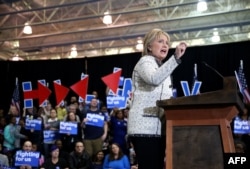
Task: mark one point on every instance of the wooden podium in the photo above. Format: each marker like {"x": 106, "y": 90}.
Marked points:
{"x": 198, "y": 127}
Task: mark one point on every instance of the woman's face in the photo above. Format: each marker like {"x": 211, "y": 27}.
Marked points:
{"x": 53, "y": 113}
{"x": 55, "y": 153}
{"x": 100, "y": 156}
{"x": 72, "y": 116}
{"x": 115, "y": 149}
{"x": 159, "y": 47}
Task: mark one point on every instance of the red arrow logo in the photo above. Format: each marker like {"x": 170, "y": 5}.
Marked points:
{"x": 112, "y": 80}
{"x": 81, "y": 87}
{"x": 61, "y": 92}
{"x": 42, "y": 93}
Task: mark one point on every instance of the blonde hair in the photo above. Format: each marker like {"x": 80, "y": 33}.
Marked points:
{"x": 150, "y": 37}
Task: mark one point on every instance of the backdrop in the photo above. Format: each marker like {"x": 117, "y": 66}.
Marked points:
{"x": 225, "y": 58}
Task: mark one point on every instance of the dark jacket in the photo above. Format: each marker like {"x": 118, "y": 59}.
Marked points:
{"x": 82, "y": 161}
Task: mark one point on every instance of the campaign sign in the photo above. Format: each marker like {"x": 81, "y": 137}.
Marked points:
{"x": 34, "y": 124}
{"x": 95, "y": 120}
{"x": 30, "y": 158}
{"x": 116, "y": 101}
{"x": 50, "y": 136}
{"x": 68, "y": 127}
{"x": 241, "y": 126}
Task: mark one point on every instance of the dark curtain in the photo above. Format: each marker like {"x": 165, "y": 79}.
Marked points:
{"x": 225, "y": 58}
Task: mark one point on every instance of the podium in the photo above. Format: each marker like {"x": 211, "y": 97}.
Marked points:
{"x": 198, "y": 129}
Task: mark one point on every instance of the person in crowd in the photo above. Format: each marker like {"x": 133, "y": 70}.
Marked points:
{"x": 69, "y": 139}
{"x": 83, "y": 107}
{"x": 79, "y": 158}
{"x": 118, "y": 129}
{"x": 54, "y": 162}
{"x": 45, "y": 111}
{"x": 53, "y": 125}
{"x": 72, "y": 108}
{"x": 71, "y": 101}
{"x": 4, "y": 161}
{"x": 27, "y": 146}
{"x": 18, "y": 135}
{"x": 77, "y": 110}
{"x": 23, "y": 130}
{"x": 240, "y": 146}
{"x": 2, "y": 126}
{"x": 9, "y": 138}
{"x": 98, "y": 160}
{"x": 94, "y": 135}
{"x": 116, "y": 159}
{"x": 61, "y": 111}
{"x": 41, "y": 158}
{"x": 62, "y": 153}
{"x": 35, "y": 136}
{"x": 151, "y": 81}
{"x": 96, "y": 96}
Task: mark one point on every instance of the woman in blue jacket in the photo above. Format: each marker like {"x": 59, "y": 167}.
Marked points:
{"x": 116, "y": 159}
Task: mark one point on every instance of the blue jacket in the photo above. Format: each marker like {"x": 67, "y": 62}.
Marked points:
{"x": 122, "y": 163}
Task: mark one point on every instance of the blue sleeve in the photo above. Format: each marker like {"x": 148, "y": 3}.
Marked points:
{"x": 106, "y": 162}
{"x": 126, "y": 162}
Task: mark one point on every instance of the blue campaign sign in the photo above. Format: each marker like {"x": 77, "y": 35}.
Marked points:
{"x": 34, "y": 124}
{"x": 50, "y": 136}
{"x": 27, "y": 86}
{"x": 116, "y": 101}
{"x": 68, "y": 127}
{"x": 196, "y": 88}
{"x": 121, "y": 97}
{"x": 88, "y": 98}
{"x": 241, "y": 126}
{"x": 185, "y": 88}
{"x": 30, "y": 158}
{"x": 28, "y": 103}
{"x": 95, "y": 120}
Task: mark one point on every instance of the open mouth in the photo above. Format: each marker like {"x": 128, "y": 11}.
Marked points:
{"x": 163, "y": 51}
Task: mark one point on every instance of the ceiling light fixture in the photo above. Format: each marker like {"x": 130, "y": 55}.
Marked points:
{"x": 107, "y": 19}
{"x": 16, "y": 58}
{"x": 73, "y": 52}
{"x": 27, "y": 28}
{"x": 139, "y": 45}
{"x": 202, "y": 6}
{"x": 216, "y": 37}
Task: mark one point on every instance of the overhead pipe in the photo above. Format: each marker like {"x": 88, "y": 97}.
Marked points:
{"x": 48, "y": 7}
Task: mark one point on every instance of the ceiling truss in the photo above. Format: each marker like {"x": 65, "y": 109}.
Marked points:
{"x": 59, "y": 24}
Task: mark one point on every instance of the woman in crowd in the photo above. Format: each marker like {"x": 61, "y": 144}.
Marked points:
{"x": 116, "y": 159}
{"x": 98, "y": 160}
{"x": 54, "y": 162}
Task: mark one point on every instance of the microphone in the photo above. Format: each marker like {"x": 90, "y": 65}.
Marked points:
{"x": 213, "y": 69}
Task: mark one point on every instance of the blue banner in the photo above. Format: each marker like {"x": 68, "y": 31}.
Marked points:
{"x": 68, "y": 128}
{"x": 33, "y": 124}
{"x": 95, "y": 120}
{"x": 50, "y": 136}
{"x": 30, "y": 158}
{"x": 241, "y": 126}
{"x": 116, "y": 101}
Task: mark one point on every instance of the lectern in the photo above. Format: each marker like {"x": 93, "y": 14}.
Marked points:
{"x": 198, "y": 127}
